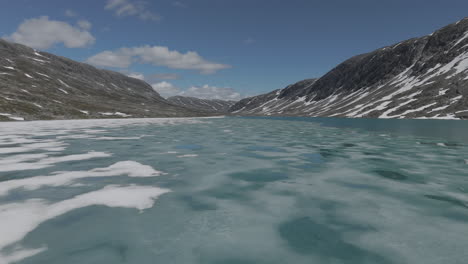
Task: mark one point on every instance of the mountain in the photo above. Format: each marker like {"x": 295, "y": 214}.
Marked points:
{"x": 423, "y": 77}
{"x": 205, "y": 105}
{"x": 37, "y": 85}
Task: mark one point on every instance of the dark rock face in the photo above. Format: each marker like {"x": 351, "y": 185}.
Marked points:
{"x": 37, "y": 85}
{"x": 206, "y": 105}
{"x": 419, "y": 78}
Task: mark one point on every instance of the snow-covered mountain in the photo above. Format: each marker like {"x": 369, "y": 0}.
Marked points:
{"x": 38, "y": 85}
{"x": 206, "y": 105}
{"x": 423, "y": 77}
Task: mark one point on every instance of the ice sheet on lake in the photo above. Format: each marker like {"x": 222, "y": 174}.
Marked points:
{"x": 18, "y": 219}
{"x": 270, "y": 191}
{"x": 17, "y": 162}
{"x": 129, "y": 168}
{"x": 41, "y": 144}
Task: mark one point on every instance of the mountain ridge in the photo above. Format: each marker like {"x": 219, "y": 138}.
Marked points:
{"x": 207, "y": 105}
{"x": 36, "y": 85}
{"x": 422, "y": 77}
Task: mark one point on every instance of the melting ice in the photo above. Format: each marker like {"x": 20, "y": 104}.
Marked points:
{"x": 233, "y": 190}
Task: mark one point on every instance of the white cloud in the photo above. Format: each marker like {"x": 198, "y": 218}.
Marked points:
{"x": 42, "y": 33}
{"x": 70, "y": 13}
{"x": 110, "y": 59}
{"x": 124, "y": 8}
{"x": 158, "y": 56}
{"x": 152, "y": 78}
{"x": 84, "y": 24}
{"x": 166, "y": 89}
{"x": 212, "y": 92}
{"x": 164, "y": 76}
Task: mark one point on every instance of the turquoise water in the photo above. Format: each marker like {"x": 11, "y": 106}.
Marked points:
{"x": 234, "y": 190}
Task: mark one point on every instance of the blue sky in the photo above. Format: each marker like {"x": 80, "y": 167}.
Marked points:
{"x": 248, "y": 46}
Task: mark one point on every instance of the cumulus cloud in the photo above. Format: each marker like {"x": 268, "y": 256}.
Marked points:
{"x": 212, "y": 92}
{"x": 151, "y": 78}
{"x": 110, "y": 59}
{"x": 84, "y": 24}
{"x": 158, "y": 56}
{"x": 163, "y": 76}
{"x": 42, "y": 33}
{"x": 166, "y": 89}
{"x": 124, "y": 8}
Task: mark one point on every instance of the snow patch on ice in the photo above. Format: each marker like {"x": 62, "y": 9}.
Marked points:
{"x": 19, "y": 254}
{"x": 48, "y": 161}
{"x": 64, "y": 178}
{"x": 18, "y": 219}
{"x": 187, "y": 156}
{"x": 47, "y": 145}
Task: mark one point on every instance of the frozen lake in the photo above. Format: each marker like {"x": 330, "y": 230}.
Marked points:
{"x": 234, "y": 191}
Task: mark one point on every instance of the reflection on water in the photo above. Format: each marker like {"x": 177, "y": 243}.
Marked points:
{"x": 234, "y": 190}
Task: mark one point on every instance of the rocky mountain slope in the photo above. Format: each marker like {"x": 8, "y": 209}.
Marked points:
{"x": 206, "y": 105}
{"x": 37, "y": 85}
{"x": 423, "y": 77}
